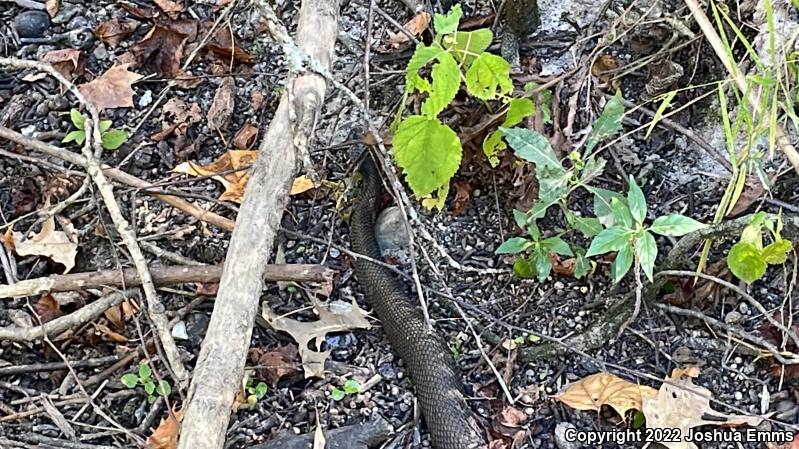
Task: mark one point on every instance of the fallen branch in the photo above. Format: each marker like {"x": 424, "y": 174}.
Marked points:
{"x": 61, "y": 324}
{"x": 162, "y": 275}
{"x": 119, "y": 176}
{"x": 220, "y": 364}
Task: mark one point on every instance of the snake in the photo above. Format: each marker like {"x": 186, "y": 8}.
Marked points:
{"x": 430, "y": 363}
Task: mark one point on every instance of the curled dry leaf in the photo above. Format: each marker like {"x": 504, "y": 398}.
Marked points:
{"x": 596, "y": 390}
{"x": 162, "y": 48}
{"x": 509, "y": 423}
{"x": 679, "y": 404}
{"x": 223, "y": 104}
{"x": 112, "y": 89}
{"x": 47, "y": 308}
{"x": 415, "y": 26}
{"x": 182, "y": 117}
{"x": 224, "y": 44}
{"x": 52, "y": 7}
{"x": 166, "y": 435}
{"x": 170, "y": 7}
{"x": 68, "y": 62}
{"x": 113, "y": 31}
{"x": 335, "y": 316}
{"x": 276, "y": 363}
{"x": 245, "y": 137}
{"x": 235, "y": 165}
{"x": 49, "y": 243}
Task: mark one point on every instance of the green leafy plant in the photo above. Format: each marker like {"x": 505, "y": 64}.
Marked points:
{"x": 748, "y": 258}
{"x": 254, "y": 392}
{"x": 111, "y": 139}
{"x": 631, "y": 239}
{"x": 537, "y": 262}
{"x": 350, "y": 387}
{"x": 144, "y": 378}
{"x": 428, "y": 150}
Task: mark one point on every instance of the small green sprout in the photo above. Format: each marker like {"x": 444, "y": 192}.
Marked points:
{"x": 111, "y": 139}
{"x": 145, "y": 379}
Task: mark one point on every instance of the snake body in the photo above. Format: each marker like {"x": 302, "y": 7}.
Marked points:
{"x": 439, "y": 388}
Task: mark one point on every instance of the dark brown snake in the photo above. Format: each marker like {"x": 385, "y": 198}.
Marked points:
{"x": 430, "y": 364}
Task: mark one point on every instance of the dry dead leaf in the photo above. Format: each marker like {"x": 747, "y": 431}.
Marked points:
{"x": 301, "y": 184}
{"x": 245, "y": 137}
{"x": 47, "y": 308}
{"x": 319, "y": 440}
{"x": 596, "y": 390}
{"x": 683, "y": 405}
{"x": 335, "y": 316}
{"x": 225, "y": 45}
{"x": 223, "y": 104}
{"x": 68, "y": 62}
{"x": 509, "y": 422}
{"x": 106, "y": 334}
{"x": 753, "y": 191}
{"x": 233, "y": 181}
{"x": 166, "y": 435}
{"x": 8, "y": 238}
{"x": 49, "y": 243}
{"x": 415, "y": 26}
{"x": 113, "y": 31}
{"x": 463, "y": 191}
{"x": 170, "y": 7}
{"x": 137, "y": 11}
{"x": 162, "y": 48}
{"x": 182, "y": 116}
{"x": 604, "y": 63}
{"x": 206, "y": 289}
{"x": 276, "y": 363}
{"x": 112, "y": 89}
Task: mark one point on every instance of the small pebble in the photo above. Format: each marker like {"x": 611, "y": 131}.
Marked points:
{"x": 738, "y": 395}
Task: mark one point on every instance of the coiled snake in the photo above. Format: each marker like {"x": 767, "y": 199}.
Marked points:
{"x": 430, "y": 364}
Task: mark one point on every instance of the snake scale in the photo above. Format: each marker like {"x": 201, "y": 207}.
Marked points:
{"x": 439, "y": 388}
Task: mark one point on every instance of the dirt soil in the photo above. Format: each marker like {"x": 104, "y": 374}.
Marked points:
{"x": 587, "y": 50}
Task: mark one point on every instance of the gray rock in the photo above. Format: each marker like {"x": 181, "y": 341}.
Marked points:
{"x": 560, "y": 436}
{"x": 390, "y": 231}
{"x": 31, "y": 23}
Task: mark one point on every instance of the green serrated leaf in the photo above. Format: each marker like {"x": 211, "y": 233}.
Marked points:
{"x": 675, "y": 225}
{"x": 489, "y": 77}
{"x": 621, "y": 213}
{"x": 114, "y": 139}
{"x": 492, "y": 146}
{"x": 746, "y": 262}
{"x": 752, "y": 235}
{"x": 467, "y": 45}
{"x": 777, "y": 252}
{"x": 105, "y": 125}
{"x": 543, "y": 265}
{"x": 637, "y": 201}
{"x": 449, "y": 23}
{"x": 422, "y": 56}
{"x": 647, "y": 251}
{"x": 518, "y": 109}
{"x": 77, "y": 136}
{"x": 352, "y": 387}
{"x": 446, "y": 82}
{"x": 533, "y": 147}
{"x": 611, "y": 239}
{"x": 144, "y": 371}
{"x": 622, "y": 264}
{"x": 337, "y": 394}
{"x": 558, "y": 246}
{"x": 130, "y": 380}
{"x": 513, "y": 245}
{"x": 77, "y": 118}
{"x": 428, "y": 152}
{"x": 523, "y": 268}
{"x": 603, "y": 200}
{"x": 608, "y": 123}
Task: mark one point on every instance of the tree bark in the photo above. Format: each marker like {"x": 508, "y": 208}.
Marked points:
{"x": 219, "y": 370}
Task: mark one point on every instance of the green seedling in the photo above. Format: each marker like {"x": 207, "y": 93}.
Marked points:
{"x": 350, "y": 387}
{"x": 111, "y": 139}
{"x": 144, "y": 379}
{"x": 748, "y": 258}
